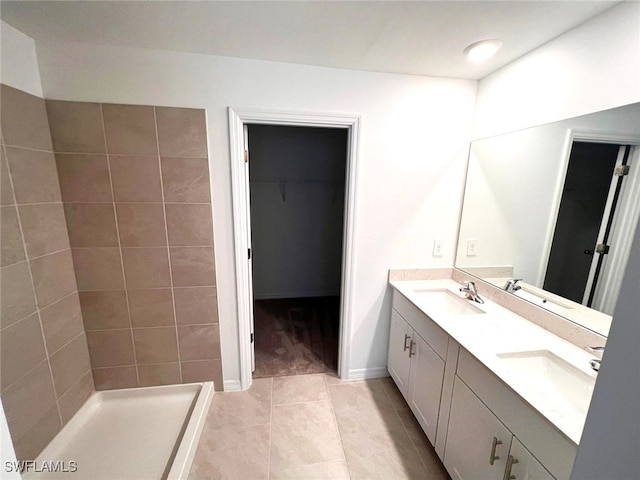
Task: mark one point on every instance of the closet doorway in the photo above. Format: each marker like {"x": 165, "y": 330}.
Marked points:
{"x": 239, "y": 123}
{"x": 296, "y": 196}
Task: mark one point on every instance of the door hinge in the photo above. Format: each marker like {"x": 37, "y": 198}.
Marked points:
{"x": 249, "y": 253}
{"x": 621, "y": 171}
{"x": 602, "y": 248}
{"x": 246, "y": 156}
{"x": 252, "y": 338}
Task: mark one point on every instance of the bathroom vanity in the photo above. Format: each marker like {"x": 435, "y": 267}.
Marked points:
{"x": 498, "y": 396}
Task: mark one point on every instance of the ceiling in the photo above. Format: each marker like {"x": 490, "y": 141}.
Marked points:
{"x": 409, "y": 37}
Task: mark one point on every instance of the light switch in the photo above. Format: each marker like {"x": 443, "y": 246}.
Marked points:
{"x": 437, "y": 248}
{"x": 472, "y": 247}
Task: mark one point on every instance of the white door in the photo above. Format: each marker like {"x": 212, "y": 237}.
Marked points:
{"x": 399, "y": 361}
{"x": 478, "y": 443}
{"x": 425, "y": 386}
{"x": 249, "y": 252}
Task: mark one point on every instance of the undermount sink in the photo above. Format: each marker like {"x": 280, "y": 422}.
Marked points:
{"x": 552, "y": 379}
{"x": 445, "y": 301}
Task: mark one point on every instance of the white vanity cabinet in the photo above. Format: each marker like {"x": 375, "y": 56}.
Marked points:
{"x": 414, "y": 364}
{"x": 480, "y": 427}
{"x": 480, "y": 447}
{"x": 477, "y": 442}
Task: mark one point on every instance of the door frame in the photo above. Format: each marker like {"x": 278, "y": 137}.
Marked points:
{"x": 241, "y": 215}
{"x": 626, "y": 222}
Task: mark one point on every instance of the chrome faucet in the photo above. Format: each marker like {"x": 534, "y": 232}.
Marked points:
{"x": 512, "y": 285}
{"x": 470, "y": 291}
{"x": 595, "y": 362}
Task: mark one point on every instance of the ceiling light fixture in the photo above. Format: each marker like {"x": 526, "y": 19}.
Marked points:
{"x": 480, "y": 51}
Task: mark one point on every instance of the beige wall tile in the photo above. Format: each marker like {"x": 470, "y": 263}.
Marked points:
{"x": 199, "y": 342}
{"x": 141, "y": 224}
{"x": 11, "y": 243}
{"x": 84, "y": 178}
{"x": 44, "y": 229}
{"x": 155, "y": 345}
{"x": 130, "y": 129}
{"x": 61, "y": 321}
{"x": 16, "y": 295}
{"x": 75, "y": 397}
{"x": 151, "y": 308}
{"x": 98, "y": 268}
{"x": 23, "y": 118}
{"x": 192, "y": 266}
{"x": 28, "y": 400}
{"x": 195, "y": 305}
{"x": 34, "y": 175}
{"x": 6, "y": 191}
{"x": 116, "y": 377}
{"x": 181, "y": 132}
{"x": 186, "y": 180}
{"x": 76, "y": 126}
{"x": 21, "y": 349}
{"x": 189, "y": 224}
{"x": 69, "y": 364}
{"x": 104, "y": 309}
{"x": 135, "y": 179}
{"x": 161, "y": 374}
{"x": 203, "y": 371}
{"x": 33, "y": 441}
{"x": 53, "y": 277}
{"x": 110, "y": 348}
{"x": 146, "y": 267}
{"x": 91, "y": 224}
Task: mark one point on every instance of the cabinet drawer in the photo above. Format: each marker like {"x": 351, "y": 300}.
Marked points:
{"x": 545, "y": 442}
{"x": 422, "y": 324}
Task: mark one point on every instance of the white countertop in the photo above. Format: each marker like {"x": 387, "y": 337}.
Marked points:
{"x": 499, "y": 331}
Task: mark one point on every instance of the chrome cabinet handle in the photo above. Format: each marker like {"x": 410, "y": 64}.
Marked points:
{"x": 411, "y": 352}
{"x": 507, "y": 472}
{"x": 406, "y": 337}
{"x": 493, "y": 457}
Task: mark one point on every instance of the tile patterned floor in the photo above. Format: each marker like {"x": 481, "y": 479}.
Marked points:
{"x": 296, "y": 336}
{"x": 314, "y": 427}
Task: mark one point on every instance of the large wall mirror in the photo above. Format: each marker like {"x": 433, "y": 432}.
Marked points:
{"x": 549, "y": 212}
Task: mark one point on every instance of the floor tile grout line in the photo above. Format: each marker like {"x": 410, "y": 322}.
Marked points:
{"x": 335, "y": 421}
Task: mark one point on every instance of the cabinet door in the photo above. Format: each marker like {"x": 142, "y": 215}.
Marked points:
{"x": 425, "y": 385}
{"x": 523, "y": 465}
{"x": 398, "y": 361}
{"x": 473, "y": 449}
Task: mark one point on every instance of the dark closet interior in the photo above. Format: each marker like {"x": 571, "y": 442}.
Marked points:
{"x": 297, "y": 202}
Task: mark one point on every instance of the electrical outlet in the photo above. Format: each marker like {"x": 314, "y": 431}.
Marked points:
{"x": 437, "y": 248}
{"x": 472, "y": 247}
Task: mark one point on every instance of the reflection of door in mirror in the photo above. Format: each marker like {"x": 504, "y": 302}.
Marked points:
{"x": 583, "y": 233}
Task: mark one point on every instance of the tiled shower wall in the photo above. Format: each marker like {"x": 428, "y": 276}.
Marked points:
{"x": 45, "y": 375}
{"x": 135, "y": 188}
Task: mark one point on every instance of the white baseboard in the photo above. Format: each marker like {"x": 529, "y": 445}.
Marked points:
{"x": 364, "y": 373}
{"x": 232, "y": 386}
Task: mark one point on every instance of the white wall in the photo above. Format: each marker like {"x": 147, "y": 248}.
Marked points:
{"x": 594, "y": 67}
{"x": 591, "y": 68}
{"x": 414, "y": 141}
{"x": 18, "y": 65}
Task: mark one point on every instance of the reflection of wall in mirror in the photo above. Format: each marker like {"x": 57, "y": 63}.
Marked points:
{"x": 513, "y": 187}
